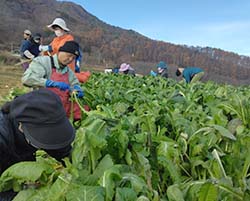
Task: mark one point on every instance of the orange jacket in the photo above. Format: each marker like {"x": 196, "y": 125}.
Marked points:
{"x": 58, "y": 42}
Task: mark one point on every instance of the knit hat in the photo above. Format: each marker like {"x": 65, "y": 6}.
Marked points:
{"x": 44, "y": 121}
{"x": 59, "y": 22}
{"x": 162, "y": 65}
{"x": 70, "y": 47}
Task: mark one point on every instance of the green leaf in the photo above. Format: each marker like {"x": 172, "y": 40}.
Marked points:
{"x": 109, "y": 180}
{"x": 125, "y": 194}
{"x": 18, "y": 173}
{"x": 224, "y": 132}
{"x": 105, "y": 164}
{"x": 86, "y": 193}
{"x": 142, "y": 198}
{"x": 174, "y": 193}
{"x": 137, "y": 183}
{"x": 208, "y": 192}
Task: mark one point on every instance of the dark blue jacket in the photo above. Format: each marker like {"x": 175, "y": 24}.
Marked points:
{"x": 189, "y": 72}
{"x": 31, "y": 46}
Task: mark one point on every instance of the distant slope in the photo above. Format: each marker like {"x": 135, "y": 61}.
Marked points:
{"x": 108, "y": 45}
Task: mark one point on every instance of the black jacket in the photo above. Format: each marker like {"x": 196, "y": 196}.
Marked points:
{"x": 13, "y": 146}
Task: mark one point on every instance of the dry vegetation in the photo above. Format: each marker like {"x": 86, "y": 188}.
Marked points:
{"x": 10, "y": 75}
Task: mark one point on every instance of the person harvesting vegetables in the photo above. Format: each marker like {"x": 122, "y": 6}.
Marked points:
{"x": 62, "y": 33}
{"x": 36, "y": 120}
{"x": 162, "y": 70}
{"x": 190, "y": 74}
{"x": 53, "y": 73}
{"x": 125, "y": 68}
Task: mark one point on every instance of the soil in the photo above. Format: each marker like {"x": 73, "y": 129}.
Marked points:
{"x": 10, "y": 77}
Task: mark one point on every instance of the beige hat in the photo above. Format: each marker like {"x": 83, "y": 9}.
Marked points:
{"x": 59, "y": 22}
{"x": 27, "y": 32}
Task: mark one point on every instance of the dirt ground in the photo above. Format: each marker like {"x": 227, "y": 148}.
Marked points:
{"x": 10, "y": 77}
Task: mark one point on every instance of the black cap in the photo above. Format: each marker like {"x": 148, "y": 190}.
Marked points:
{"x": 37, "y": 36}
{"x": 70, "y": 47}
{"x": 43, "y": 118}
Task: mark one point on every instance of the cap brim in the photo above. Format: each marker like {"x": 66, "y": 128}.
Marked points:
{"x": 50, "y": 136}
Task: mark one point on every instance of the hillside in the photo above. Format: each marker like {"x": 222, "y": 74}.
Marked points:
{"x": 108, "y": 45}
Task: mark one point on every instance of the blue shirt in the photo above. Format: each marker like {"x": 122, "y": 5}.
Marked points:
{"x": 189, "y": 72}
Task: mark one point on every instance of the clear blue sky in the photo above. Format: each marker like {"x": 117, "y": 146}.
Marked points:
{"x": 223, "y": 24}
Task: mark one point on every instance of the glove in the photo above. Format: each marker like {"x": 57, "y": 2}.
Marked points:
{"x": 61, "y": 85}
{"x": 153, "y": 73}
{"x": 44, "y": 48}
{"x": 79, "y": 90}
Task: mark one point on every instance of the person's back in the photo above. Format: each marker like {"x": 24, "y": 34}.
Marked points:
{"x": 190, "y": 72}
{"x": 126, "y": 69}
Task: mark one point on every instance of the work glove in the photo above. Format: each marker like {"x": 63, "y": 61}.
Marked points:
{"x": 153, "y": 73}
{"x": 44, "y": 48}
{"x": 61, "y": 85}
{"x": 79, "y": 90}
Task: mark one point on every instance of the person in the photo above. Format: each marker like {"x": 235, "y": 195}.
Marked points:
{"x": 26, "y": 35}
{"x": 30, "y": 48}
{"x": 162, "y": 70}
{"x": 24, "y": 43}
{"x": 126, "y": 69}
{"x": 190, "y": 74}
{"x": 24, "y": 129}
{"x": 62, "y": 32}
{"x": 53, "y": 73}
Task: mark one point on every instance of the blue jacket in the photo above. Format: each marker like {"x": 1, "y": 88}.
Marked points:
{"x": 189, "y": 72}
{"x": 31, "y": 46}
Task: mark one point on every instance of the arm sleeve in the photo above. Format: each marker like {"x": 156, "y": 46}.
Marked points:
{"x": 25, "y": 45}
{"x": 37, "y": 73}
{"x": 28, "y": 54}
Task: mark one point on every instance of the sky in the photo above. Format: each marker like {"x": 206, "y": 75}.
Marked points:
{"x": 223, "y": 24}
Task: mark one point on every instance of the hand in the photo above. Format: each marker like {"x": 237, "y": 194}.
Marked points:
{"x": 61, "y": 85}
{"x": 153, "y": 73}
{"x": 44, "y": 48}
{"x": 79, "y": 90}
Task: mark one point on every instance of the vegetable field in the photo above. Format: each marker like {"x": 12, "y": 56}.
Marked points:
{"x": 147, "y": 139}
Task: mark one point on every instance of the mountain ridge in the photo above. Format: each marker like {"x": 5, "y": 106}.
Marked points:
{"x": 109, "y": 45}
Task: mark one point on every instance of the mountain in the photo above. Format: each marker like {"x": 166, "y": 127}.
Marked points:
{"x": 109, "y": 46}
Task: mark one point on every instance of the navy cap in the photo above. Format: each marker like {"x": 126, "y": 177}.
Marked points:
{"x": 43, "y": 118}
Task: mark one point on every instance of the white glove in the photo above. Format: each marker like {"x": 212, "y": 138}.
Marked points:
{"x": 44, "y": 48}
